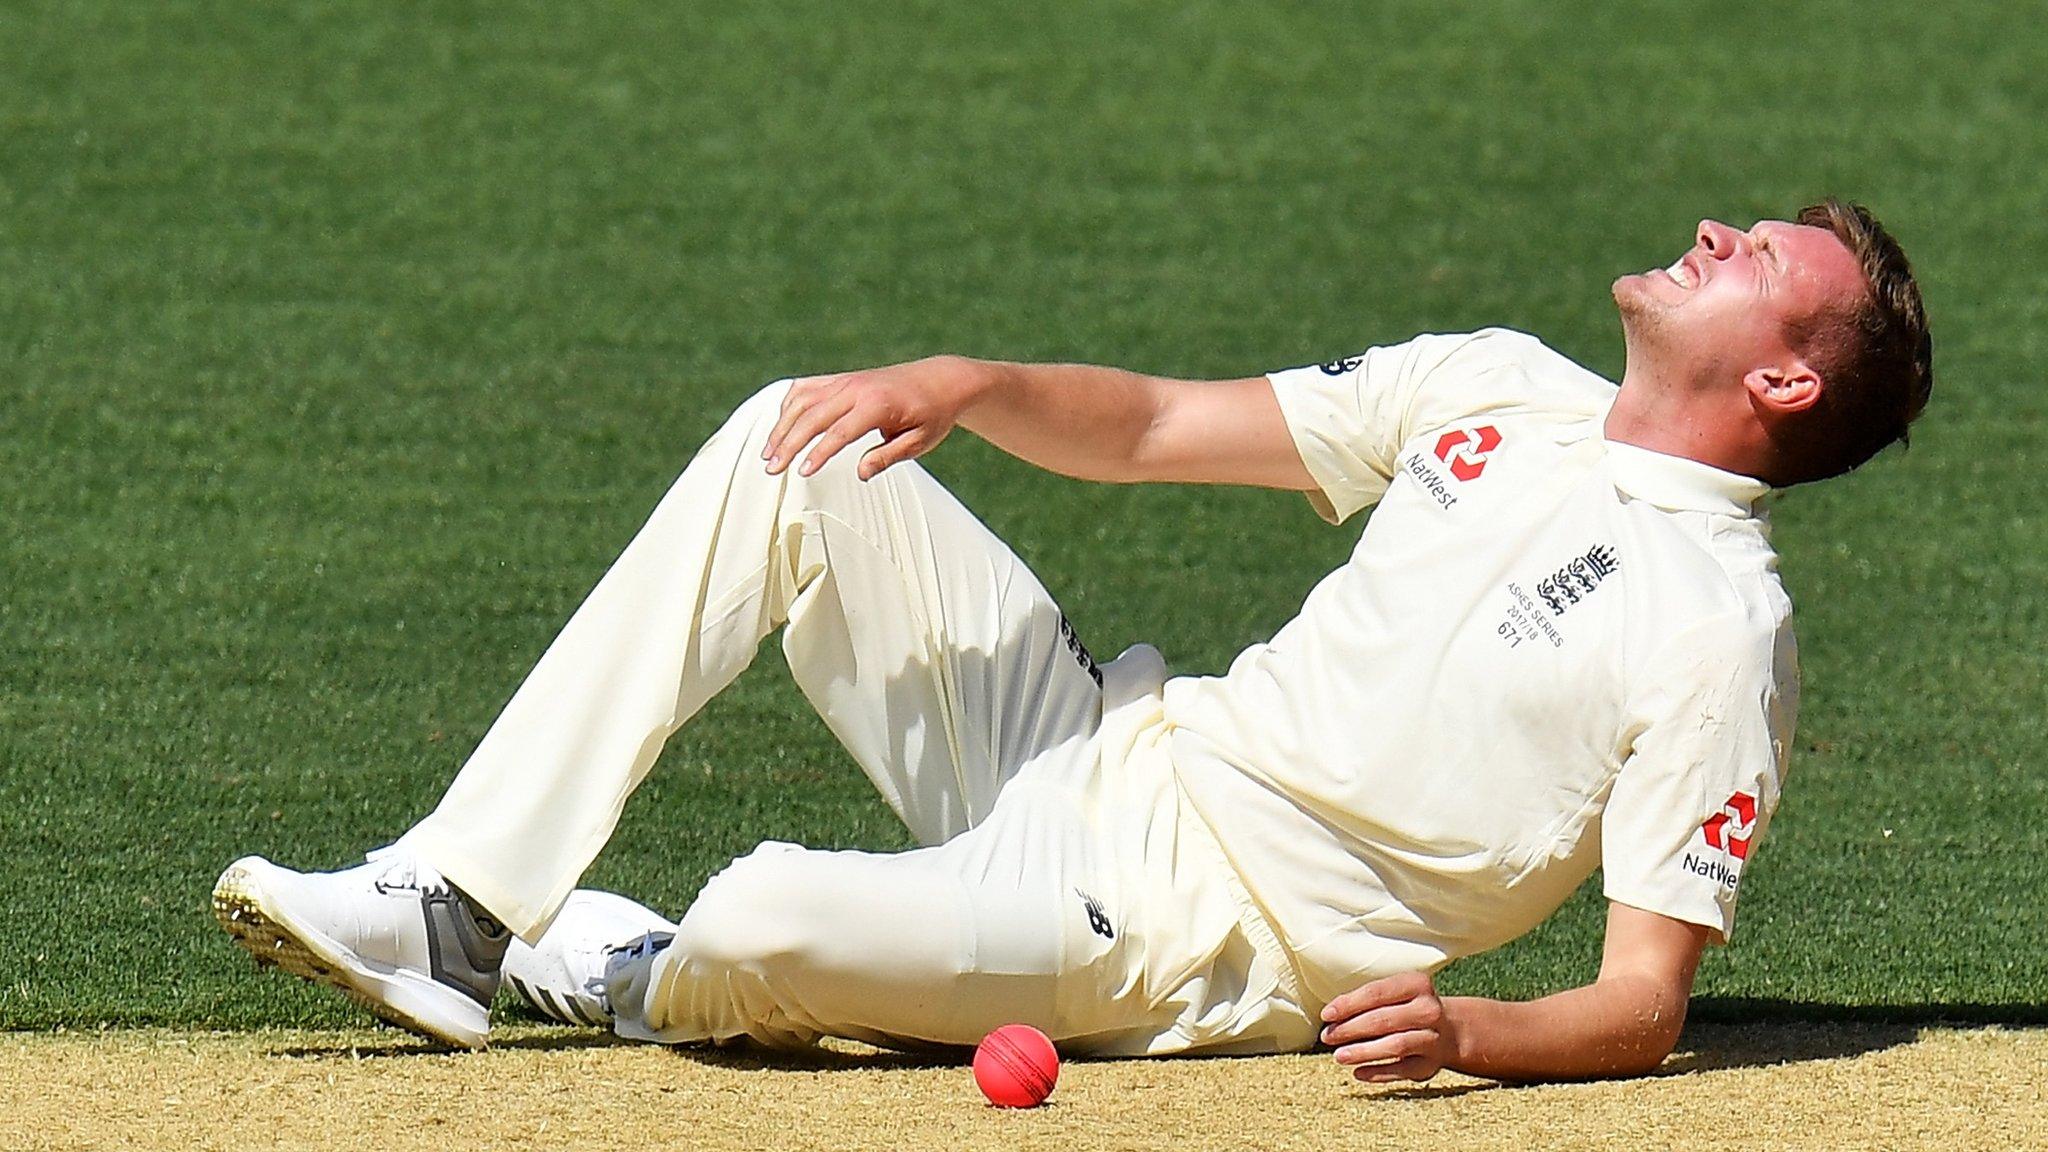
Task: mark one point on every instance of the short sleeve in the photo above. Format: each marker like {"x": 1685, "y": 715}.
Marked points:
{"x": 1698, "y": 786}
{"x": 1350, "y": 417}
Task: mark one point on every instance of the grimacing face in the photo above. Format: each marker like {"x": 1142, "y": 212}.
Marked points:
{"x": 1729, "y": 304}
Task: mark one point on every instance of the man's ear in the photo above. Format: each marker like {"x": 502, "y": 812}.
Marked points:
{"x": 1782, "y": 390}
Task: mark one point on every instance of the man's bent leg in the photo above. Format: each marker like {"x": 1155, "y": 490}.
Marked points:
{"x": 788, "y": 944}
{"x": 1085, "y": 905}
{"x": 935, "y": 945}
{"x": 924, "y": 642}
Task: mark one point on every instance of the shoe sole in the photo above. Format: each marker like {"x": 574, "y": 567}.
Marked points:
{"x": 414, "y": 1003}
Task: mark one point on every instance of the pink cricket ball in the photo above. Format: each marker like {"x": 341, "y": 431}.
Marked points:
{"x": 1016, "y": 1066}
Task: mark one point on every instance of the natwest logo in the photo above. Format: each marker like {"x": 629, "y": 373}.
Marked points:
{"x": 1466, "y": 451}
{"x": 1731, "y": 827}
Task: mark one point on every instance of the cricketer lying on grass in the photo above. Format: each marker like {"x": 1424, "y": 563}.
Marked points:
{"x": 1560, "y": 644}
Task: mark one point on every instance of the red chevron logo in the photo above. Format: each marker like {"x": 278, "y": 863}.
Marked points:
{"x": 1467, "y": 451}
{"x": 1731, "y": 827}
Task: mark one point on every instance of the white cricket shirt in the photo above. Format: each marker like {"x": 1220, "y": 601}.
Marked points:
{"x": 1548, "y": 653}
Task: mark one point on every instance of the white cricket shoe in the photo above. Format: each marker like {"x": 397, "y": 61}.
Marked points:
{"x": 392, "y": 934}
{"x": 562, "y": 975}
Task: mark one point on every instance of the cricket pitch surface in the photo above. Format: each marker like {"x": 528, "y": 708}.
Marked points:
{"x": 1746, "y": 1087}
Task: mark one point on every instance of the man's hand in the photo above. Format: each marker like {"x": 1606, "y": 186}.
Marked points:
{"x": 1622, "y": 1024}
{"x": 913, "y": 405}
{"x": 1391, "y": 1029}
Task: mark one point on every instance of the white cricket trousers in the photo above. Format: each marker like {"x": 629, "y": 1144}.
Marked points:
{"x": 1064, "y": 881}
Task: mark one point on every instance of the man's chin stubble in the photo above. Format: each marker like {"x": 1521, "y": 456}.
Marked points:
{"x": 1641, "y": 316}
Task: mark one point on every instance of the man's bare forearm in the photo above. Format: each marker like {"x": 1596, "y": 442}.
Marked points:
{"x": 1622, "y": 1026}
{"x": 1075, "y": 419}
{"x": 1126, "y": 427}
{"x": 1092, "y": 423}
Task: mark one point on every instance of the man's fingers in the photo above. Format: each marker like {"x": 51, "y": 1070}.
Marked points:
{"x": 805, "y": 426}
{"x": 800, "y": 396}
{"x": 1403, "y": 1017}
{"x": 907, "y": 446}
{"x": 858, "y": 422}
{"x": 1378, "y": 994}
{"x": 1388, "y": 1049}
{"x": 1406, "y": 1068}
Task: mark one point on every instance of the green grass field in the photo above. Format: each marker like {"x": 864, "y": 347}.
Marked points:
{"x": 342, "y": 346}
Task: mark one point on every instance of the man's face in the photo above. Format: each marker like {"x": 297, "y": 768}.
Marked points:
{"x": 1729, "y": 305}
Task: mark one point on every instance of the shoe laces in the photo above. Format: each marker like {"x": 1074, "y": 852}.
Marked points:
{"x": 618, "y": 956}
{"x": 409, "y": 875}
{"x": 647, "y": 945}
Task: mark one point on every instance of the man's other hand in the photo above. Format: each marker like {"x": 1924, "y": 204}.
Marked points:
{"x": 1390, "y": 1029}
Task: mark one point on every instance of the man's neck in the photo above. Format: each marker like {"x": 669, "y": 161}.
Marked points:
{"x": 1690, "y": 425}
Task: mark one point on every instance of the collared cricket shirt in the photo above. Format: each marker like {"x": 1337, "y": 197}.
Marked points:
{"x": 1547, "y": 653}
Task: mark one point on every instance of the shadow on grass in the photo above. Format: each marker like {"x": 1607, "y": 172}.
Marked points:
{"x": 749, "y": 1057}
{"x": 561, "y": 1038}
{"x": 1759, "y": 1033}
{"x": 1755, "y": 1010}
{"x": 404, "y": 1044}
{"x": 1720, "y": 1034}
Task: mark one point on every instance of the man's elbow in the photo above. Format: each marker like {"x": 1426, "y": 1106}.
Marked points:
{"x": 1646, "y": 1059}
{"x": 1655, "y": 1038}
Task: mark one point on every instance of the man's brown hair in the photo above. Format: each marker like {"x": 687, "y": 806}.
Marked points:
{"x": 1874, "y": 356}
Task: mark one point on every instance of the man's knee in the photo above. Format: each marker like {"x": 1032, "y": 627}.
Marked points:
{"x": 763, "y": 909}
{"x": 753, "y": 421}
{"x": 756, "y": 415}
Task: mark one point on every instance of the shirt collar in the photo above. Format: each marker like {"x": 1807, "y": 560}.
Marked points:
{"x": 1681, "y": 484}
